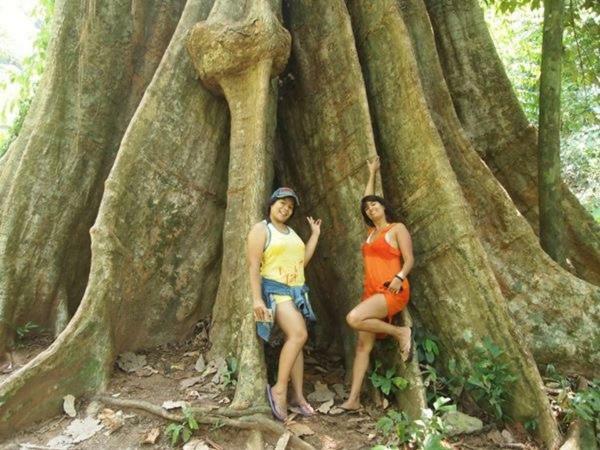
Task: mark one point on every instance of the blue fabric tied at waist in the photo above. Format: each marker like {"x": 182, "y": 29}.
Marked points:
{"x": 299, "y": 295}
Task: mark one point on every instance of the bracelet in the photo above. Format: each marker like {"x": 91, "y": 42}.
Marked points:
{"x": 399, "y": 277}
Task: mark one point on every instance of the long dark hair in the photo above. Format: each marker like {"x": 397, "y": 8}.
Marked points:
{"x": 271, "y": 202}
{"x": 389, "y": 216}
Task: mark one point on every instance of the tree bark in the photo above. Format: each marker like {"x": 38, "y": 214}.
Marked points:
{"x": 102, "y": 58}
{"x": 152, "y": 273}
{"x": 494, "y": 121}
{"x": 193, "y": 171}
{"x": 549, "y": 179}
{"x": 556, "y": 312}
{"x": 457, "y": 293}
{"x": 237, "y": 51}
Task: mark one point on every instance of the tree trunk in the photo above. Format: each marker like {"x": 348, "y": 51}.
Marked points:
{"x": 51, "y": 179}
{"x": 151, "y": 276}
{"x": 495, "y": 123}
{"x": 549, "y": 179}
{"x": 168, "y": 243}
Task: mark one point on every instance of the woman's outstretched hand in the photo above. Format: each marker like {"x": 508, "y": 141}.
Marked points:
{"x": 315, "y": 225}
{"x": 373, "y": 164}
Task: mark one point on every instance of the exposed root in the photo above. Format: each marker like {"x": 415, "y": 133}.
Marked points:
{"x": 249, "y": 419}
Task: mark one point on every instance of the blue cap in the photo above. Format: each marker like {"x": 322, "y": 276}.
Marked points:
{"x": 283, "y": 192}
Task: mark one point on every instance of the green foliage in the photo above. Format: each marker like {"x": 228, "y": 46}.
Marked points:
{"x": 516, "y": 26}
{"x": 427, "y": 347}
{"x": 424, "y": 433}
{"x": 230, "y": 376}
{"x": 183, "y": 430}
{"x": 23, "y": 330}
{"x": 585, "y": 404}
{"x": 387, "y": 382}
{"x": 487, "y": 379}
{"x": 27, "y": 76}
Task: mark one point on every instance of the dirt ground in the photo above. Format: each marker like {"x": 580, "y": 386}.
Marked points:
{"x": 175, "y": 373}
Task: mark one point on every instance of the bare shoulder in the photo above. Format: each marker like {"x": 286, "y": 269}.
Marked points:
{"x": 400, "y": 229}
{"x": 399, "y": 226}
{"x": 258, "y": 230}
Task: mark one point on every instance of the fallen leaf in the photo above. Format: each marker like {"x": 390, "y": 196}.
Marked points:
{"x": 196, "y": 444}
{"x": 508, "y": 437}
{"x": 146, "y": 371}
{"x": 221, "y": 366}
{"x": 321, "y": 393}
{"x": 385, "y": 403}
{"x": 69, "y": 405}
{"x": 170, "y": 404}
{"x": 130, "y": 362}
{"x": 340, "y": 391}
{"x": 192, "y": 353}
{"x": 299, "y": 429}
{"x": 325, "y": 407}
{"x": 61, "y": 441}
{"x": 189, "y": 382}
{"x": 200, "y": 364}
{"x": 283, "y": 441}
{"x": 83, "y": 429}
{"x": 111, "y": 420}
{"x": 335, "y": 411}
{"x": 177, "y": 367}
{"x": 371, "y": 436}
{"x": 151, "y": 436}
{"x": 329, "y": 443}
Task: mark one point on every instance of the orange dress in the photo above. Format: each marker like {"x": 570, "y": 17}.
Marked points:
{"x": 382, "y": 262}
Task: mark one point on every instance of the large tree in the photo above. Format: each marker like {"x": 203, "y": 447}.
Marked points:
{"x": 165, "y": 142}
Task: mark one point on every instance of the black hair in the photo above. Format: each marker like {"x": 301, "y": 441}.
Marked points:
{"x": 271, "y": 202}
{"x": 389, "y": 216}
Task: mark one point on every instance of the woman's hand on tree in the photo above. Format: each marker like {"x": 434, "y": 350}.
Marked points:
{"x": 373, "y": 164}
{"x": 395, "y": 286}
{"x": 315, "y": 225}
{"x": 261, "y": 312}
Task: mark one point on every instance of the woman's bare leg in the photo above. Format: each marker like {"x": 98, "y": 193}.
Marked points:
{"x": 297, "y": 376}
{"x": 292, "y": 324}
{"x": 368, "y": 315}
{"x": 364, "y": 346}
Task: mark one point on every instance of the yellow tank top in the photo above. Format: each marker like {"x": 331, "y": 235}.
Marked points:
{"x": 283, "y": 257}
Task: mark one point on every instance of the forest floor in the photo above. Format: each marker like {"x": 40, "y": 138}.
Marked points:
{"x": 171, "y": 374}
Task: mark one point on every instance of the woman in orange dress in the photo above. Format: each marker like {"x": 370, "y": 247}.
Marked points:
{"x": 388, "y": 259}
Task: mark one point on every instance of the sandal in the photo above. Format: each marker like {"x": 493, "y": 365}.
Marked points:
{"x": 305, "y": 409}
{"x": 274, "y": 410}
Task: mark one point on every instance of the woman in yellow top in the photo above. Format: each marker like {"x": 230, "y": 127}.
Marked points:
{"x": 277, "y": 257}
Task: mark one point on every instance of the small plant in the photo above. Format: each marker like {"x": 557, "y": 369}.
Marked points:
{"x": 427, "y": 348}
{"x": 183, "y": 430}
{"x": 388, "y": 381}
{"x": 23, "y": 330}
{"x": 487, "y": 379}
{"x": 229, "y": 377}
{"x": 585, "y": 404}
{"x": 425, "y": 433}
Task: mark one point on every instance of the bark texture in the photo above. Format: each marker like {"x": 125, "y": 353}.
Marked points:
{"x": 152, "y": 274}
{"x": 556, "y": 312}
{"x": 193, "y": 171}
{"x": 51, "y": 180}
{"x": 496, "y": 124}
{"x": 551, "y": 213}
{"x": 237, "y": 50}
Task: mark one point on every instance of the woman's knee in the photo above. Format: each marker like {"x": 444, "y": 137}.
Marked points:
{"x": 364, "y": 345}
{"x": 299, "y": 335}
{"x": 353, "y": 319}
